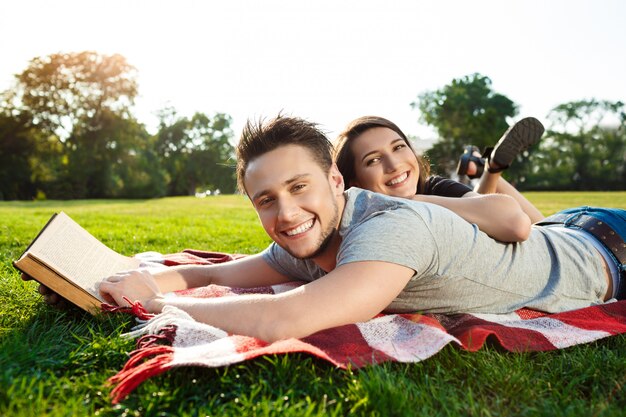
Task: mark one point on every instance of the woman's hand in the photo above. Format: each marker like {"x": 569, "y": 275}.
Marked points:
{"x": 137, "y": 286}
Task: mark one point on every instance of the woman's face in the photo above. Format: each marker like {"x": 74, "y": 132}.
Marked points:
{"x": 383, "y": 162}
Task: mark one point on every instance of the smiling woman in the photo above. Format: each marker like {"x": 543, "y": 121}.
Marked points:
{"x": 374, "y": 154}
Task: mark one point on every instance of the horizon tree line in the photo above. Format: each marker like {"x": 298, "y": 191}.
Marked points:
{"x": 67, "y": 131}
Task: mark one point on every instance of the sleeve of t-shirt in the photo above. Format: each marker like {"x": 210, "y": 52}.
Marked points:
{"x": 297, "y": 269}
{"x": 397, "y": 236}
{"x": 445, "y": 187}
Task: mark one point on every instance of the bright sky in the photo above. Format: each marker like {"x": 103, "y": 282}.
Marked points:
{"x": 330, "y": 60}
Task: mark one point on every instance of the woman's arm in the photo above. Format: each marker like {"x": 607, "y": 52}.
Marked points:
{"x": 498, "y": 215}
{"x": 140, "y": 285}
{"x": 250, "y": 271}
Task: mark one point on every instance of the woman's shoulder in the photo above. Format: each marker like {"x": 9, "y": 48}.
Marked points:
{"x": 445, "y": 187}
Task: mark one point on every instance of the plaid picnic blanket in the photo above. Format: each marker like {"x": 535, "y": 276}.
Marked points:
{"x": 173, "y": 339}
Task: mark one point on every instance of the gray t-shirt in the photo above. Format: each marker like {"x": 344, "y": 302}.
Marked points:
{"x": 458, "y": 268}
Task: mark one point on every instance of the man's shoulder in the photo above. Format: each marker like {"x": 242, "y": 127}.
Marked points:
{"x": 363, "y": 203}
{"x": 367, "y": 207}
{"x": 285, "y": 263}
{"x": 360, "y": 199}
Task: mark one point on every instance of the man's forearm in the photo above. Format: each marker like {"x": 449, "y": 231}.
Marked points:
{"x": 333, "y": 300}
{"x": 256, "y": 315}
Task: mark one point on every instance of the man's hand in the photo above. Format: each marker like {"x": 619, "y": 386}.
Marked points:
{"x": 136, "y": 285}
{"x": 49, "y": 296}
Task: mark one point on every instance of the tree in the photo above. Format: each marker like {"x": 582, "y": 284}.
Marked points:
{"x": 137, "y": 171}
{"x": 70, "y": 90}
{"x": 465, "y": 112}
{"x": 196, "y": 152}
{"x": 67, "y": 131}
{"x": 17, "y": 144}
{"x": 117, "y": 160}
{"x": 584, "y": 148}
{"x": 82, "y": 101}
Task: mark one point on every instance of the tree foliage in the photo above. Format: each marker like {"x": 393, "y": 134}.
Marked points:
{"x": 82, "y": 101}
{"x": 72, "y": 91}
{"x": 67, "y": 131}
{"x": 16, "y": 164}
{"x": 465, "y": 112}
{"x": 196, "y": 152}
{"x": 583, "y": 149}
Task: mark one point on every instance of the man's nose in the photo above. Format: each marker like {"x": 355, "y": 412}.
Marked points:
{"x": 287, "y": 209}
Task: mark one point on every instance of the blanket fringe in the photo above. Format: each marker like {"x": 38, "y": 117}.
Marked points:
{"x": 170, "y": 315}
{"x": 166, "y": 335}
{"x": 135, "y": 372}
{"x": 136, "y": 309}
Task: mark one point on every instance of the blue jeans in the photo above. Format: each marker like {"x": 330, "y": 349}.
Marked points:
{"x": 614, "y": 218}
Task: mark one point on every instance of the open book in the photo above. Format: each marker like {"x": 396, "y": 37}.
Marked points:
{"x": 71, "y": 262}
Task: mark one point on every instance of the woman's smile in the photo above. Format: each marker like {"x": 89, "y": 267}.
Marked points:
{"x": 399, "y": 179}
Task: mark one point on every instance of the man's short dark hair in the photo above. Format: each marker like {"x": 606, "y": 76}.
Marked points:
{"x": 259, "y": 137}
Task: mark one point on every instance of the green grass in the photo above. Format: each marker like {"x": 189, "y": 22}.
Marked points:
{"x": 56, "y": 362}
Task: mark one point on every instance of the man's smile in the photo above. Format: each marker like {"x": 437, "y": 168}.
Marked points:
{"x": 302, "y": 228}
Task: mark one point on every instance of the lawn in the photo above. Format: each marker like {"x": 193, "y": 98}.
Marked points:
{"x": 56, "y": 362}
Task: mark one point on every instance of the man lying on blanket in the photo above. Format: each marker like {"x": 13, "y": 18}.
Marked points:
{"x": 363, "y": 253}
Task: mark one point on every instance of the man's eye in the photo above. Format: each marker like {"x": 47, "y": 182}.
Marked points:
{"x": 265, "y": 201}
{"x": 298, "y": 187}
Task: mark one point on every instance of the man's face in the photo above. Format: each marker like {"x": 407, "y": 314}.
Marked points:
{"x": 295, "y": 199}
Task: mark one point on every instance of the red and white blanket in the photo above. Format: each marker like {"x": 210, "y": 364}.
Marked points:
{"x": 172, "y": 338}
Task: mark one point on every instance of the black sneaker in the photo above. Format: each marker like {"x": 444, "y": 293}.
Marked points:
{"x": 466, "y": 158}
{"x": 517, "y": 138}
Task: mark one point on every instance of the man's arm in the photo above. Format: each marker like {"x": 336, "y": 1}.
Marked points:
{"x": 351, "y": 293}
{"x": 498, "y": 215}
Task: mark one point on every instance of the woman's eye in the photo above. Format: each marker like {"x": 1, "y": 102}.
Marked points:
{"x": 399, "y": 147}
{"x": 372, "y": 161}
{"x": 298, "y": 187}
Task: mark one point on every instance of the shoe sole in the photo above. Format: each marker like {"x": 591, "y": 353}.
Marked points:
{"x": 517, "y": 138}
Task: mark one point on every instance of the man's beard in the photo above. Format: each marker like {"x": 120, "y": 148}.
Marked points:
{"x": 325, "y": 238}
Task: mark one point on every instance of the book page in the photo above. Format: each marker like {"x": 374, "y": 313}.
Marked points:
{"x": 74, "y": 253}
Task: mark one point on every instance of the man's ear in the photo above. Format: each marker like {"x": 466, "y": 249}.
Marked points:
{"x": 336, "y": 180}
